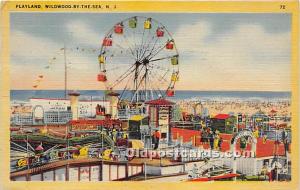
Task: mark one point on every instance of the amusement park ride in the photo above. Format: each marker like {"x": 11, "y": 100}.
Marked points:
{"x": 139, "y": 56}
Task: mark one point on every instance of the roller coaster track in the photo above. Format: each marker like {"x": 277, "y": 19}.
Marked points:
{"x": 56, "y": 140}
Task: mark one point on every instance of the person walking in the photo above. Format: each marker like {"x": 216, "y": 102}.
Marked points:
{"x": 211, "y": 140}
{"x": 216, "y": 140}
{"x": 284, "y": 137}
{"x": 264, "y": 171}
{"x": 220, "y": 143}
{"x": 157, "y": 138}
{"x": 284, "y": 172}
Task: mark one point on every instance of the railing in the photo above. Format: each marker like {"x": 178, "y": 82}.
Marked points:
{"x": 125, "y": 114}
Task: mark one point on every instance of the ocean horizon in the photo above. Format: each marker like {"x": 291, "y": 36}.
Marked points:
{"x": 25, "y": 95}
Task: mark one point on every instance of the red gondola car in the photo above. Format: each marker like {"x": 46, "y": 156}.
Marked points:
{"x": 170, "y": 92}
{"x": 107, "y": 42}
{"x": 160, "y": 32}
{"x": 102, "y": 77}
{"x": 170, "y": 45}
{"x": 118, "y": 29}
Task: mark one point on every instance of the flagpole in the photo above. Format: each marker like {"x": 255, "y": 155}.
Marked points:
{"x": 65, "y": 60}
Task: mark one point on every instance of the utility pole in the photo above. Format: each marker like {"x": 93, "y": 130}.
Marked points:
{"x": 27, "y": 152}
{"x": 145, "y": 171}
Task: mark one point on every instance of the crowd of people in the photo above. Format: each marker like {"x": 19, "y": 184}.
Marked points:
{"x": 212, "y": 138}
{"x": 275, "y": 172}
{"x": 237, "y": 106}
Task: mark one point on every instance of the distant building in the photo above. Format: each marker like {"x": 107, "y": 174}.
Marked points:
{"x": 87, "y": 108}
{"x": 52, "y": 111}
{"x": 22, "y": 119}
{"x": 57, "y": 117}
{"x": 50, "y": 117}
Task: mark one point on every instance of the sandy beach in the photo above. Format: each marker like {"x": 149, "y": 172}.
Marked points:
{"x": 246, "y": 107}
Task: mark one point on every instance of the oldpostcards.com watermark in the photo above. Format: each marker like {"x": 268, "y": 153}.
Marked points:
{"x": 184, "y": 153}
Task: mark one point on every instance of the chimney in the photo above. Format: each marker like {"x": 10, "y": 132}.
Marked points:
{"x": 113, "y": 98}
{"x": 74, "y": 96}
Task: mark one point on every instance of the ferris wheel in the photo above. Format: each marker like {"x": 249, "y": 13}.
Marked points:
{"x": 139, "y": 56}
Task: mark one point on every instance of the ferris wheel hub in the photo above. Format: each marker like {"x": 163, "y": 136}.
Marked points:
{"x": 138, "y": 63}
{"x": 145, "y": 61}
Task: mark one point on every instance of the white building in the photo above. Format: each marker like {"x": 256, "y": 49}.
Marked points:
{"x": 87, "y": 108}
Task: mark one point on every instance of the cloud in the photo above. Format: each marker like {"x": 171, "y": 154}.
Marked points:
{"x": 245, "y": 58}
{"x": 83, "y": 33}
{"x": 189, "y": 37}
{"x": 28, "y": 46}
{"x": 30, "y": 55}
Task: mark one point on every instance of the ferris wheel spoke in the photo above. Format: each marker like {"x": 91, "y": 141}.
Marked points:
{"x": 129, "y": 46}
{"x": 118, "y": 81}
{"x": 139, "y": 80}
{"x": 159, "y": 59}
{"x": 140, "y": 46}
{"x": 132, "y": 54}
{"x": 148, "y": 42}
{"x": 162, "y": 78}
{"x": 125, "y": 74}
{"x": 158, "y": 79}
{"x": 158, "y": 67}
{"x": 126, "y": 87}
{"x": 152, "y": 49}
{"x": 157, "y": 52}
{"x": 135, "y": 44}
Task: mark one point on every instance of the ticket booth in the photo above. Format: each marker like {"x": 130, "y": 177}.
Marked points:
{"x": 159, "y": 118}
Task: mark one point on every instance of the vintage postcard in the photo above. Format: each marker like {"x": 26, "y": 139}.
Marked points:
{"x": 153, "y": 94}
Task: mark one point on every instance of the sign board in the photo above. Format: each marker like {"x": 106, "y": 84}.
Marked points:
{"x": 163, "y": 119}
{"x": 163, "y": 116}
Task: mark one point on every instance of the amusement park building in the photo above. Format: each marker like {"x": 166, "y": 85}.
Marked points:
{"x": 54, "y": 111}
{"x": 87, "y": 108}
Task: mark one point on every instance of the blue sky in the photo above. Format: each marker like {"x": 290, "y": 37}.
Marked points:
{"x": 217, "y": 51}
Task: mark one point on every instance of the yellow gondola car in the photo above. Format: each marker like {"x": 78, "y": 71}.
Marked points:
{"x": 101, "y": 59}
{"x": 147, "y": 23}
{"x": 174, "y": 60}
{"x": 174, "y": 77}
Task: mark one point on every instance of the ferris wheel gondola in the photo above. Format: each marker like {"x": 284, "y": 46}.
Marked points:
{"x": 138, "y": 56}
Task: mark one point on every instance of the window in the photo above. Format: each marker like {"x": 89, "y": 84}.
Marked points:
{"x": 164, "y": 135}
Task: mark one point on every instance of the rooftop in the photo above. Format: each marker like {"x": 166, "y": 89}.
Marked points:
{"x": 222, "y": 116}
{"x": 160, "y": 101}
